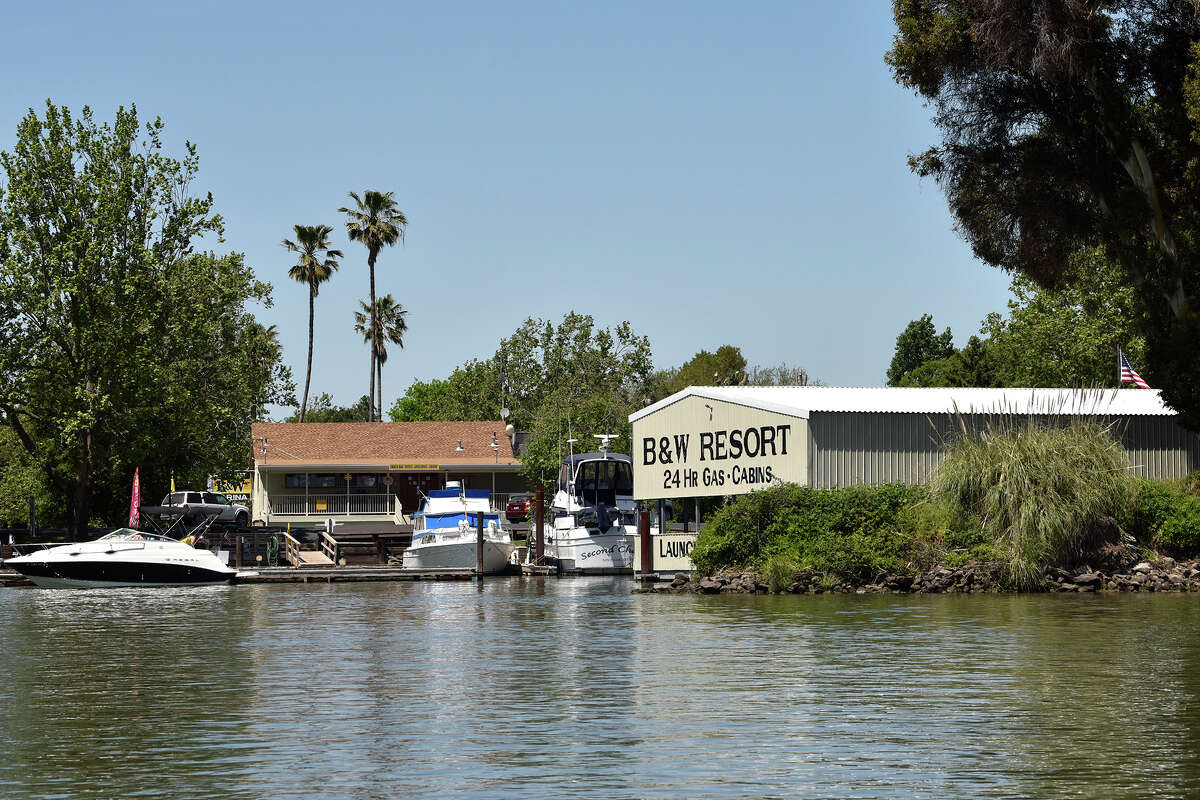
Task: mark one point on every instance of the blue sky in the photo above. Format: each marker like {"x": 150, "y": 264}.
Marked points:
{"x": 716, "y": 173}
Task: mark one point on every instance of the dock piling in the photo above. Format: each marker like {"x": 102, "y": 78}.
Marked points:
{"x": 539, "y": 519}
{"x": 645, "y": 544}
{"x": 479, "y": 546}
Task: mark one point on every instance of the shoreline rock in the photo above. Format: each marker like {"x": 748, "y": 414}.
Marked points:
{"x": 1163, "y": 575}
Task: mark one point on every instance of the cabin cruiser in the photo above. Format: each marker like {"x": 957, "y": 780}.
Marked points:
{"x": 445, "y": 533}
{"x": 125, "y": 557}
{"x": 593, "y": 517}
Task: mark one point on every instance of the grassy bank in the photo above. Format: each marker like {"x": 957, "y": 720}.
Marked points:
{"x": 1015, "y": 500}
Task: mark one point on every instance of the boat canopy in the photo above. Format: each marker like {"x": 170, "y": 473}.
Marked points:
{"x": 473, "y": 493}
{"x": 599, "y": 477}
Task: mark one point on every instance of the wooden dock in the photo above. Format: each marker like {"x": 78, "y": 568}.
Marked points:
{"x": 350, "y": 574}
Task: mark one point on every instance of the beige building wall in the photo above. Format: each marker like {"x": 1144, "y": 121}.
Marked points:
{"x": 700, "y": 447}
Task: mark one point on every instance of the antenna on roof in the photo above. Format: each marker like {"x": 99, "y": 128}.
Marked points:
{"x": 605, "y": 438}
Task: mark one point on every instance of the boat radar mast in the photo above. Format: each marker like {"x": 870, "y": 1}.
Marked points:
{"x": 605, "y": 438}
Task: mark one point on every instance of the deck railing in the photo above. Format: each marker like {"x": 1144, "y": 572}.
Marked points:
{"x": 330, "y": 505}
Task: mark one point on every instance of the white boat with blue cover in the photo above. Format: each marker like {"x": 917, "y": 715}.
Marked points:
{"x": 445, "y": 532}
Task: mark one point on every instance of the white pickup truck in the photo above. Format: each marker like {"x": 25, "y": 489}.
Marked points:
{"x": 205, "y": 503}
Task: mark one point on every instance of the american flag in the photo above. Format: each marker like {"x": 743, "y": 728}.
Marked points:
{"x": 1128, "y": 375}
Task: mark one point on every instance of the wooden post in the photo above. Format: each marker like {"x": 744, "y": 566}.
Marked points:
{"x": 539, "y": 522}
{"x": 380, "y": 550}
{"x": 237, "y": 550}
{"x": 645, "y": 543}
{"x": 479, "y": 546}
{"x": 32, "y": 521}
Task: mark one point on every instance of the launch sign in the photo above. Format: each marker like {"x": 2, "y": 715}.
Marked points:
{"x": 721, "y": 449}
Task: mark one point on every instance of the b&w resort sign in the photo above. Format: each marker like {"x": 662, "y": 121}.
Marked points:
{"x": 703, "y": 447}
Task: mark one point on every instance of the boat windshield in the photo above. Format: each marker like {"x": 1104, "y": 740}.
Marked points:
{"x": 602, "y": 481}
{"x": 130, "y": 533}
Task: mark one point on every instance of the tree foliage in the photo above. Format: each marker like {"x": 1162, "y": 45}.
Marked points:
{"x": 323, "y": 409}
{"x": 124, "y": 346}
{"x": 1067, "y": 337}
{"x": 917, "y": 344}
{"x": 558, "y": 381}
{"x": 1065, "y": 126}
{"x": 725, "y": 367}
{"x": 1049, "y": 338}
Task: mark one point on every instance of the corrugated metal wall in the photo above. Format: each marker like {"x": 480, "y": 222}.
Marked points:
{"x": 850, "y": 448}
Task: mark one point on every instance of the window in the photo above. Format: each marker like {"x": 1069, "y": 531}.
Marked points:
{"x": 295, "y": 480}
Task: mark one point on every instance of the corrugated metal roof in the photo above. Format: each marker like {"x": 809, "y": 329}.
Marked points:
{"x": 800, "y": 400}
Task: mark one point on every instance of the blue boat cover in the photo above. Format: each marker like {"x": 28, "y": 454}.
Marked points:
{"x": 476, "y": 493}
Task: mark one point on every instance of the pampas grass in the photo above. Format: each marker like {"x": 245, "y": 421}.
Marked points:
{"x": 1035, "y": 487}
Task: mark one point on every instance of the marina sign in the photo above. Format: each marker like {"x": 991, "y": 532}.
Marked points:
{"x": 701, "y": 447}
{"x": 412, "y": 467}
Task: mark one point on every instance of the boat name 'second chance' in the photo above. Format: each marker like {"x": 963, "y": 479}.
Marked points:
{"x": 752, "y": 442}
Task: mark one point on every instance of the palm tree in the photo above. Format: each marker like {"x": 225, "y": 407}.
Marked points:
{"x": 262, "y": 343}
{"x": 376, "y": 222}
{"x": 391, "y": 324}
{"x": 316, "y": 264}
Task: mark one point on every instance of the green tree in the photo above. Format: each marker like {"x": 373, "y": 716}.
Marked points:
{"x": 391, "y": 324}
{"x": 781, "y": 375}
{"x": 424, "y": 401}
{"x": 376, "y": 222}
{"x": 917, "y": 344}
{"x": 316, "y": 264}
{"x": 558, "y": 380}
{"x": 124, "y": 346}
{"x": 324, "y": 410}
{"x": 726, "y": 367}
{"x": 974, "y": 365}
{"x": 1068, "y": 337}
{"x": 1066, "y": 127}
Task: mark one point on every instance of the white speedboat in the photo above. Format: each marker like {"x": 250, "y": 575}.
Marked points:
{"x": 593, "y": 520}
{"x": 445, "y": 534}
{"x": 124, "y": 557}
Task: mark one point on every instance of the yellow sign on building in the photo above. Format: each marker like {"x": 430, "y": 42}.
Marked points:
{"x": 412, "y": 467}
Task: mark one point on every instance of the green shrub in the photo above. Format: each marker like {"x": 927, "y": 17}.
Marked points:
{"x": 850, "y": 532}
{"x": 779, "y": 572}
{"x": 1035, "y": 488}
{"x": 1167, "y": 515}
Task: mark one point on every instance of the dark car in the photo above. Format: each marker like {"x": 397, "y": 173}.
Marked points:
{"x": 518, "y": 508}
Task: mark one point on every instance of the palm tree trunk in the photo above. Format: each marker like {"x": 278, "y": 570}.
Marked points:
{"x": 308, "y": 371}
{"x": 379, "y": 384}
{"x": 374, "y": 335}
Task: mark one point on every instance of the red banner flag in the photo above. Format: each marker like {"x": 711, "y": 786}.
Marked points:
{"x": 135, "y": 500}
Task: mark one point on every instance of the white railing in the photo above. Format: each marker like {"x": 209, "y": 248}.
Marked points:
{"x": 324, "y": 505}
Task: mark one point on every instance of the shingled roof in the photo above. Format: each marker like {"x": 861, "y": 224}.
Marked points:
{"x": 380, "y": 444}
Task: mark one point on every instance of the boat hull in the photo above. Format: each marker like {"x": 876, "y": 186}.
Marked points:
{"x": 589, "y": 552}
{"x": 122, "y": 561}
{"x": 97, "y": 574}
{"x": 459, "y": 555}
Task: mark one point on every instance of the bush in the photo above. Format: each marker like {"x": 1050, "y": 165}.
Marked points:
{"x": 1035, "y": 489}
{"x": 1167, "y": 515}
{"x": 851, "y": 532}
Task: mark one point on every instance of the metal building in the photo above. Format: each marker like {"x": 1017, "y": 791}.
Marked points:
{"x": 710, "y": 440}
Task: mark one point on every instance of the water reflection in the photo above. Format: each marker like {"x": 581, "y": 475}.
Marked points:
{"x": 576, "y": 688}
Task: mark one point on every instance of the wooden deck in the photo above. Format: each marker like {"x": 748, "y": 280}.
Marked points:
{"x": 351, "y": 574}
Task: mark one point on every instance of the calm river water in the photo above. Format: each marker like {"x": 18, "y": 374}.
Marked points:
{"x": 577, "y": 688}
